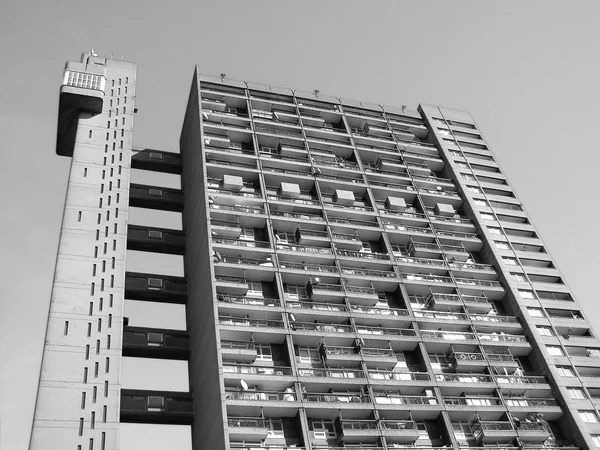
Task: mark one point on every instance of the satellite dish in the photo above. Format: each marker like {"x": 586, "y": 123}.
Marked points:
{"x": 244, "y": 385}
{"x": 316, "y": 281}
{"x": 292, "y": 318}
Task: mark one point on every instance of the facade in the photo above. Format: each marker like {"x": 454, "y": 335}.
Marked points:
{"x": 356, "y": 276}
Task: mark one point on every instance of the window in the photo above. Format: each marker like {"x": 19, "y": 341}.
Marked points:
{"x": 494, "y": 230}
{"x": 588, "y": 416}
{"x": 324, "y": 427}
{"x": 596, "y": 440}
{"x": 263, "y": 352}
{"x": 535, "y": 312}
{"x": 94, "y": 394}
{"x": 275, "y": 427}
{"x": 488, "y": 216}
{"x": 295, "y": 292}
{"x": 576, "y": 393}
{"x": 480, "y": 202}
{"x": 555, "y": 350}
{"x": 501, "y": 245}
{"x": 438, "y": 362}
{"x": 518, "y": 277}
{"x": 83, "y": 400}
{"x": 81, "y": 426}
{"x": 524, "y": 293}
{"x": 509, "y": 261}
{"x": 545, "y": 331}
{"x": 565, "y": 371}
{"x": 66, "y": 327}
{"x": 308, "y": 355}
{"x": 254, "y": 289}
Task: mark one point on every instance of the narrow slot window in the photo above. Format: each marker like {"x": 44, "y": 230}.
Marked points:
{"x": 66, "y": 327}
{"x": 79, "y": 216}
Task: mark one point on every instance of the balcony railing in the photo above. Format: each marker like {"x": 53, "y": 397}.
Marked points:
{"x": 305, "y": 266}
{"x": 368, "y": 272}
{"x": 363, "y": 329}
{"x": 254, "y": 209}
{"x": 316, "y": 306}
{"x": 330, "y": 373}
{"x": 248, "y": 300}
{"x": 471, "y": 266}
{"x": 261, "y": 395}
{"x": 382, "y": 374}
{"x": 241, "y": 242}
{"x": 347, "y": 221}
{"x": 421, "y": 261}
{"x": 463, "y": 378}
{"x": 523, "y": 401}
{"x": 501, "y": 337}
{"x": 398, "y": 227}
{"x": 260, "y": 323}
{"x": 426, "y": 278}
{"x": 333, "y": 397}
{"x": 255, "y": 370}
{"x": 301, "y": 216}
{"x": 515, "y": 379}
{"x": 379, "y": 310}
{"x": 249, "y": 422}
{"x": 364, "y": 255}
{"x": 474, "y": 282}
{"x": 399, "y": 399}
{"x": 304, "y": 249}
{"x": 297, "y": 201}
{"x": 472, "y": 401}
{"x": 452, "y": 335}
{"x": 322, "y": 327}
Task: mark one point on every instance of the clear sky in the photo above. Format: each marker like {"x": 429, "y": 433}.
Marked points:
{"x": 528, "y": 71}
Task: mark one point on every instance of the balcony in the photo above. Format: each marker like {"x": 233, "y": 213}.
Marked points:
{"x": 141, "y": 286}
{"x": 248, "y": 300}
{"x": 248, "y": 369}
{"x": 533, "y": 431}
{"x": 346, "y": 398}
{"x": 447, "y": 335}
{"x": 156, "y": 343}
{"x": 324, "y": 292}
{"x": 466, "y": 362}
{"x": 152, "y": 197}
{"x": 160, "y": 407}
{"x": 408, "y": 378}
{"x": 448, "y": 302}
{"x": 523, "y": 385}
{"x": 362, "y": 295}
{"x": 333, "y": 374}
{"x": 247, "y": 428}
{"x": 156, "y": 161}
{"x": 379, "y": 357}
{"x": 254, "y": 396}
{"x": 312, "y": 237}
{"x": 243, "y": 351}
{"x": 158, "y": 240}
{"x": 399, "y": 431}
{"x": 357, "y": 430}
{"x": 490, "y": 431}
{"x": 236, "y": 286}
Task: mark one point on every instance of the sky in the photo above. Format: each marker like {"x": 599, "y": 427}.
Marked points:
{"x": 527, "y": 71}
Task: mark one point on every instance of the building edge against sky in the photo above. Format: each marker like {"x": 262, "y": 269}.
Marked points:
{"x": 354, "y": 274}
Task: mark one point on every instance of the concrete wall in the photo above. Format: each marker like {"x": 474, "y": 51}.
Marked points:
{"x": 206, "y": 382}
{"x": 98, "y": 186}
